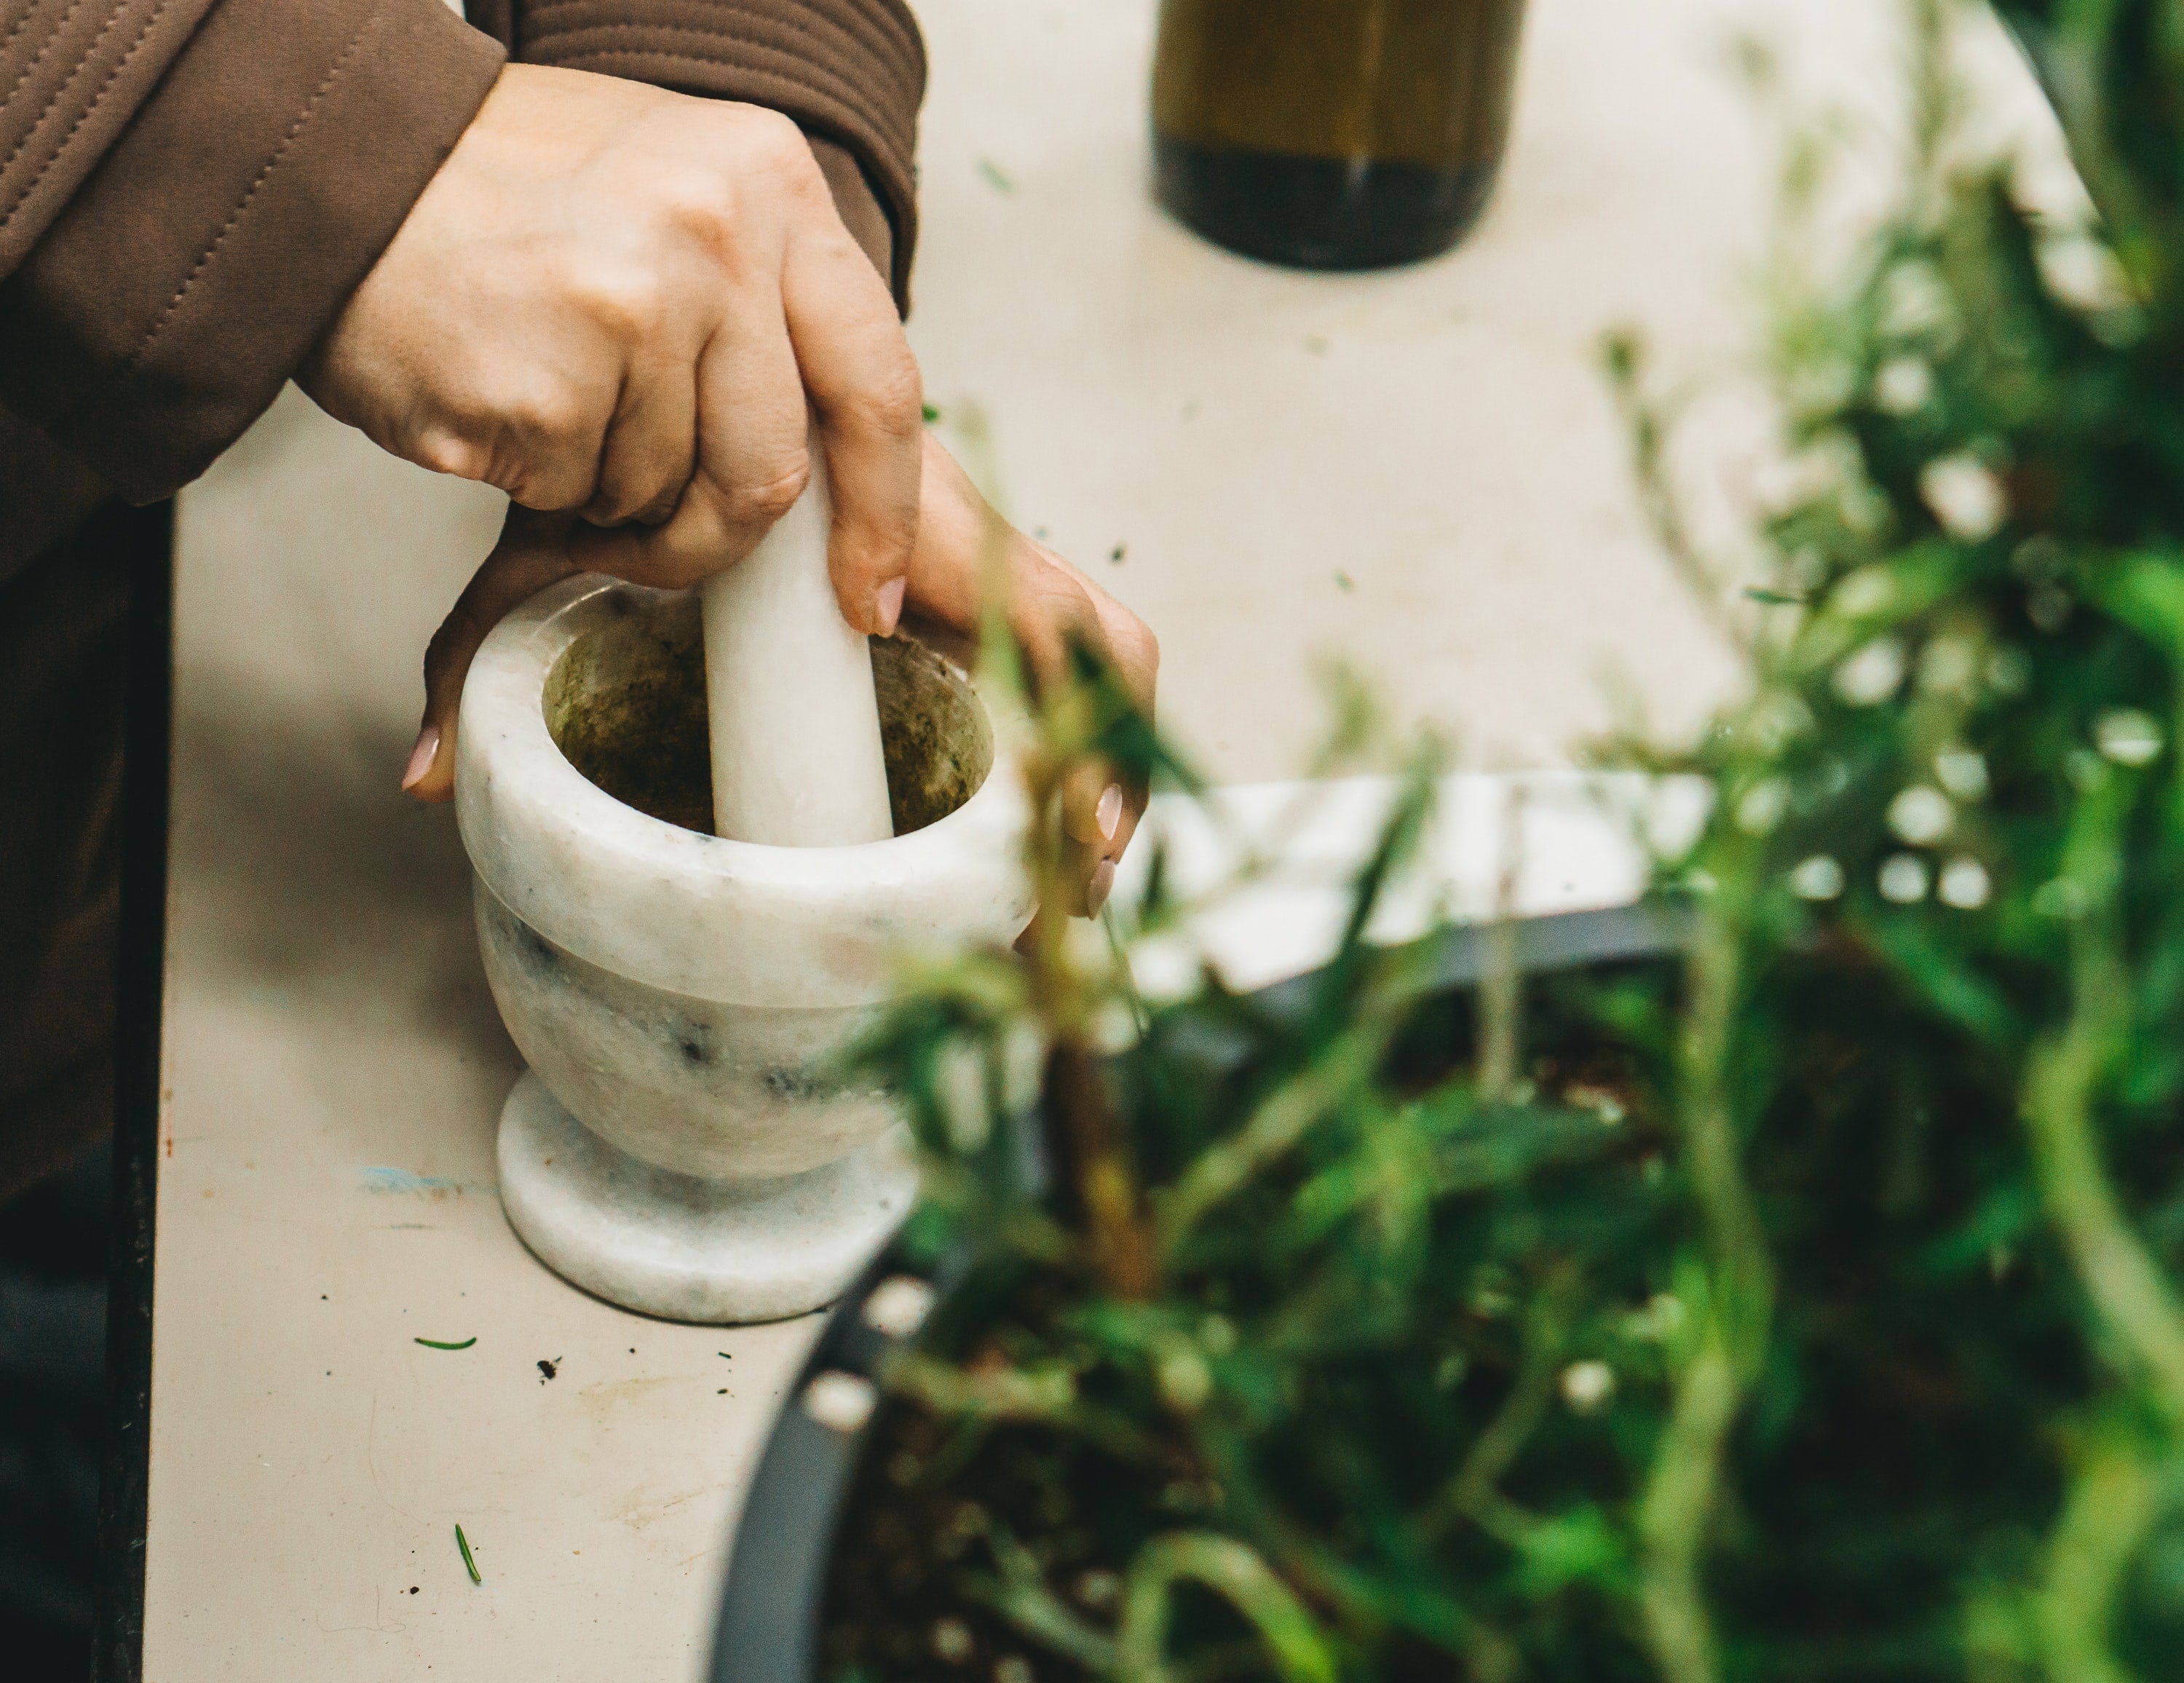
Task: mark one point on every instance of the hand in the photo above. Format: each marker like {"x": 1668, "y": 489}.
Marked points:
{"x": 612, "y": 301}
{"x": 1049, "y": 603}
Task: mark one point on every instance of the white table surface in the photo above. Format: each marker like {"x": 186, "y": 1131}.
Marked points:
{"x": 334, "y": 1064}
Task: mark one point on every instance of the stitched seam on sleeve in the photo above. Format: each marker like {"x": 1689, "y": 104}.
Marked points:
{"x": 250, "y": 193}
{"x": 23, "y": 23}
{"x": 39, "y": 57}
{"x": 15, "y": 204}
{"x": 135, "y": 359}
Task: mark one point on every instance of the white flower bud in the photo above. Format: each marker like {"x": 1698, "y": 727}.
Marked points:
{"x": 1964, "y": 495}
{"x": 1904, "y": 385}
{"x": 1962, "y": 772}
{"x": 2127, "y": 736}
{"x": 1904, "y": 878}
{"x": 1871, "y": 675}
{"x": 1920, "y": 815}
{"x": 1964, "y": 884}
{"x": 1819, "y": 877}
{"x": 1588, "y": 1385}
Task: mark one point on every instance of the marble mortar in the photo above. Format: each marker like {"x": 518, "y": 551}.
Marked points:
{"x": 680, "y": 1144}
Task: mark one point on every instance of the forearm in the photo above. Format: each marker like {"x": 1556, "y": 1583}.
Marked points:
{"x": 221, "y": 230}
{"x": 178, "y": 258}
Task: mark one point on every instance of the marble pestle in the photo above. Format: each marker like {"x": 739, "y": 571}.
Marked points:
{"x": 797, "y": 760}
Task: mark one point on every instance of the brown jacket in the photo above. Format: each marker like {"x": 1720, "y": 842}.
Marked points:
{"x": 189, "y": 191}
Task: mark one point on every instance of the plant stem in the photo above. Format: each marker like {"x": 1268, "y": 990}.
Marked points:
{"x": 2062, "y": 1078}
{"x": 1686, "y": 1475}
{"x": 1673, "y": 1514}
{"x": 1021, "y": 1596}
{"x": 2125, "y": 1283}
{"x": 1472, "y": 1492}
{"x": 2114, "y": 1502}
{"x": 1501, "y": 990}
{"x": 1236, "y": 1573}
{"x": 1096, "y": 1159}
{"x": 1045, "y": 1396}
{"x": 1274, "y": 1127}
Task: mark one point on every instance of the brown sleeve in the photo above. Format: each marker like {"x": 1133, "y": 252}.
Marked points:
{"x": 851, "y": 72}
{"x": 71, "y": 75}
{"x": 222, "y": 228}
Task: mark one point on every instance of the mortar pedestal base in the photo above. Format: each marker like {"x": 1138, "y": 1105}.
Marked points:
{"x": 715, "y": 1252}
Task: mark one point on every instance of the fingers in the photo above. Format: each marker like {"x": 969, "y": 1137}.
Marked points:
{"x": 753, "y": 448}
{"x": 1095, "y": 808}
{"x": 1101, "y": 804}
{"x": 536, "y": 433}
{"x": 533, "y": 552}
{"x": 1134, "y": 653}
{"x": 1051, "y": 605}
{"x": 869, "y": 400}
{"x": 651, "y": 446}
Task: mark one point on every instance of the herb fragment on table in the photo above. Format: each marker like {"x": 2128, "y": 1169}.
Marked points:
{"x": 1343, "y": 582}
{"x": 1117, "y": 554}
{"x": 470, "y": 1565}
{"x": 932, "y": 414}
{"x": 441, "y": 1343}
{"x": 996, "y": 177}
{"x": 548, "y": 1367}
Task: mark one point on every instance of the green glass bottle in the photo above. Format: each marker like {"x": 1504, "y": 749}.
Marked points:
{"x": 1332, "y": 134}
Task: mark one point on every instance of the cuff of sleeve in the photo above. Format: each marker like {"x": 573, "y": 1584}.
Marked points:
{"x": 852, "y": 71}
{"x": 217, "y": 240}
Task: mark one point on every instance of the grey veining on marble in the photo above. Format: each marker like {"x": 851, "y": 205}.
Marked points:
{"x": 685, "y": 1142}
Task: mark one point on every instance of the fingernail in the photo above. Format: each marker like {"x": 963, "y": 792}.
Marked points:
{"x": 422, "y": 756}
{"x": 890, "y": 604}
{"x": 1097, "y": 890}
{"x": 1110, "y": 811}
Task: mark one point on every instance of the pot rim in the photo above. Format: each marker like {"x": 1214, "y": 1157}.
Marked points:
{"x": 656, "y": 903}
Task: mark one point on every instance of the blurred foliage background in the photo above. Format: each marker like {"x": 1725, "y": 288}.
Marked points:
{"x": 1803, "y": 1305}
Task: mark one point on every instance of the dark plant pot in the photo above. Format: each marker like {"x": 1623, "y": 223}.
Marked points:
{"x": 769, "y": 1624}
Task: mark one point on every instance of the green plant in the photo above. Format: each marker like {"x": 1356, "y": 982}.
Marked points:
{"x": 1808, "y": 1308}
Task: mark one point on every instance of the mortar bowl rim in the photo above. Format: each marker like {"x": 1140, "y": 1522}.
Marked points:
{"x": 650, "y": 901}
